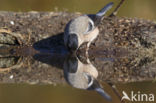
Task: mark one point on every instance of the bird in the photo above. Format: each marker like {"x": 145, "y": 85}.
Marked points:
{"x": 82, "y": 76}
{"x": 83, "y": 29}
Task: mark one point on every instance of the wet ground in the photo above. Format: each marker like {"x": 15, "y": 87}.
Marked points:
{"x": 121, "y": 59}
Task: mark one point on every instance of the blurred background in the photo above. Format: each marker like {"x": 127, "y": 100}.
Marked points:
{"x": 21, "y": 93}
{"x": 131, "y": 8}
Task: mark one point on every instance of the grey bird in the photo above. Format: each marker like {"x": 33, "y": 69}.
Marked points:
{"x": 82, "y": 76}
{"x": 83, "y": 29}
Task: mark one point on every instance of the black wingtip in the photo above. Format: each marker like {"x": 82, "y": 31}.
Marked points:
{"x": 103, "y": 11}
{"x": 103, "y": 94}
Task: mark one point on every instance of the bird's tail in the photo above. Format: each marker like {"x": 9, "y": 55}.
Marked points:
{"x": 103, "y": 11}
{"x": 103, "y": 93}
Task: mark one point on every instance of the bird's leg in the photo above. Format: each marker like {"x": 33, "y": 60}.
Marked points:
{"x": 88, "y": 44}
{"x": 88, "y": 61}
{"x": 116, "y": 9}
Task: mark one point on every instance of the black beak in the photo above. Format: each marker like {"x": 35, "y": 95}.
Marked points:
{"x": 72, "y": 63}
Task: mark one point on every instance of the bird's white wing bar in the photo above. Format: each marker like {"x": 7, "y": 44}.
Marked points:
{"x": 105, "y": 9}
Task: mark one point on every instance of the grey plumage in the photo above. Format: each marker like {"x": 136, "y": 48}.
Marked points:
{"x": 83, "y": 29}
{"x": 82, "y": 76}
{"x": 77, "y": 74}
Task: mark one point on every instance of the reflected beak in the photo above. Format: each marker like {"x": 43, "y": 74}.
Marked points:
{"x": 72, "y": 43}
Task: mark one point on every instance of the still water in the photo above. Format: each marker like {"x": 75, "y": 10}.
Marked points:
{"x": 17, "y": 93}
{"x": 42, "y": 79}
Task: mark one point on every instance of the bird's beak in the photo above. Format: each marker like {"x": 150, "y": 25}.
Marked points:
{"x": 72, "y": 43}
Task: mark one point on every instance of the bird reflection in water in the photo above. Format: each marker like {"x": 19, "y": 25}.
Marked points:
{"x": 82, "y": 76}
